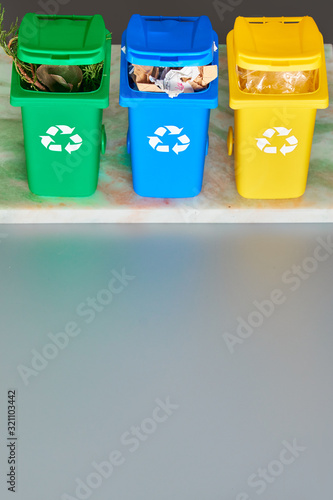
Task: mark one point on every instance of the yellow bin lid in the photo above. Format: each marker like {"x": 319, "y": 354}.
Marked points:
{"x": 277, "y": 43}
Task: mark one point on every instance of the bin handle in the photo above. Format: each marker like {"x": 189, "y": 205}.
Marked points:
{"x": 103, "y": 140}
{"x": 230, "y": 141}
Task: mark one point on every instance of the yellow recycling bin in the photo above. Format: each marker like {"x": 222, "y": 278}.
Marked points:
{"x": 277, "y": 80}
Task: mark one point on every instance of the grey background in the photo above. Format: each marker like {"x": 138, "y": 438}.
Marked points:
{"x": 117, "y": 13}
{"x": 163, "y": 336}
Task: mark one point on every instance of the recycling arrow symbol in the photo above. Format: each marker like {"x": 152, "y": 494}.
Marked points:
{"x": 182, "y": 142}
{"x": 264, "y": 144}
{"x": 48, "y": 141}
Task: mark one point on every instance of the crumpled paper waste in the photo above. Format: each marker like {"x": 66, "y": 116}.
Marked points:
{"x": 173, "y": 81}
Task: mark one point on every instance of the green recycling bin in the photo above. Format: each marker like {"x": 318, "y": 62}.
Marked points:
{"x": 62, "y": 122}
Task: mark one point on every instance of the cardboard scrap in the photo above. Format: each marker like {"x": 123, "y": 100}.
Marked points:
{"x": 207, "y": 75}
{"x": 141, "y": 74}
{"x": 173, "y": 81}
{"x": 148, "y": 87}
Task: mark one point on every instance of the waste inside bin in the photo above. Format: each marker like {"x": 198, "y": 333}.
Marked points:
{"x": 70, "y": 58}
{"x": 168, "y": 138}
{"x": 278, "y": 80}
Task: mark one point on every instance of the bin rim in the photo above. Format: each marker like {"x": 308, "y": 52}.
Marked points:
{"x": 21, "y": 97}
{"x": 130, "y": 98}
{"x": 239, "y": 99}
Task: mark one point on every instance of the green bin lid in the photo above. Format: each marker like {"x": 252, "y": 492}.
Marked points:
{"x": 67, "y": 40}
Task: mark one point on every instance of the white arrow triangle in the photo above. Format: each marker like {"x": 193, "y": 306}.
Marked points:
{"x": 72, "y": 147}
{"x": 283, "y": 131}
{"x": 174, "y": 130}
{"x": 163, "y": 149}
{"x": 292, "y": 140}
{"x": 270, "y": 150}
{"x": 262, "y": 143}
{"x": 55, "y": 147}
{"x": 153, "y": 141}
{"x": 287, "y": 149}
{"x": 76, "y": 138}
{"x": 269, "y": 133}
{"x": 179, "y": 148}
{"x": 160, "y": 131}
{"x": 65, "y": 129}
{"x": 46, "y": 140}
{"x": 52, "y": 131}
{"x": 184, "y": 139}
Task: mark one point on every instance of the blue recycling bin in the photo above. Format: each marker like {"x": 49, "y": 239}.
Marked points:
{"x": 168, "y": 137}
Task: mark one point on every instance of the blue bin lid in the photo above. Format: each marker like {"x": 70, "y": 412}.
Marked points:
{"x": 169, "y": 41}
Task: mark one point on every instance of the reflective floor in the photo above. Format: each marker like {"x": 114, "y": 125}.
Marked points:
{"x": 167, "y": 362}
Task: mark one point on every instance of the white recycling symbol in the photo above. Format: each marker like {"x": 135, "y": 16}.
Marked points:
{"x": 265, "y": 146}
{"x": 181, "y": 145}
{"x": 74, "y": 142}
